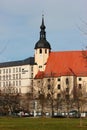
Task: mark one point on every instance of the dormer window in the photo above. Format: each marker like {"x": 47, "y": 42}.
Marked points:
{"x": 40, "y": 51}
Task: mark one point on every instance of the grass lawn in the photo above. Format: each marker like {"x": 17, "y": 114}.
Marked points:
{"x": 9, "y": 123}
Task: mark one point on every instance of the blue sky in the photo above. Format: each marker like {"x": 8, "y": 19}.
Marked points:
{"x": 20, "y": 20}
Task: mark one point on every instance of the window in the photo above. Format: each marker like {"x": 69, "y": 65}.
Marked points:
{"x": 49, "y": 87}
{"x": 3, "y": 84}
{"x": 6, "y": 70}
{"x": 48, "y": 80}
{"x": 13, "y": 83}
{"x": 13, "y": 70}
{"x": 80, "y": 86}
{"x": 32, "y": 82}
{"x": 20, "y": 69}
{"x": 16, "y": 90}
{"x": 0, "y": 84}
{"x": 58, "y": 79}
{"x": 9, "y": 70}
{"x": 16, "y": 83}
{"x": 67, "y": 81}
{"x": 40, "y": 66}
{"x": 6, "y": 77}
{"x": 19, "y": 83}
{"x": 31, "y": 75}
{"x": 19, "y": 90}
{"x": 58, "y": 95}
{"x": 0, "y": 77}
{"x": 31, "y": 68}
{"x": 13, "y": 76}
{"x": 19, "y": 76}
{"x": 9, "y": 83}
{"x": 16, "y": 69}
{"x": 16, "y": 76}
{"x": 40, "y": 51}
{"x": 58, "y": 86}
{"x": 3, "y": 77}
{"x": 67, "y": 90}
{"x": 9, "y": 77}
{"x": 80, "y": 79}
{"x": 45, "y": 50}
{"x": 3, "y": 71}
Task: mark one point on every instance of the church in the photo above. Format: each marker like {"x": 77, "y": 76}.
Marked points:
{"x": 47, "y": 72}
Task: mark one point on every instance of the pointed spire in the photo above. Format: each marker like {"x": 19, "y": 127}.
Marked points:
{"x": 42, "y": 27}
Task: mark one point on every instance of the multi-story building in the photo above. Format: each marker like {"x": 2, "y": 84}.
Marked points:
{"x": 17, "y": 76}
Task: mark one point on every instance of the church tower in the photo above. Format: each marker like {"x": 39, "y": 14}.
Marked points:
{"x": 42, "y": 48}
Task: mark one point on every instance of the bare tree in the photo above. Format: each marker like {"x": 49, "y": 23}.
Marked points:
{"x": 9, "y": 102}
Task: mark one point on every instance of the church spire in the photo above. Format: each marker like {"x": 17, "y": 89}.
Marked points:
{"x": 42, "y": 43}
{"x": 42, "y": 27}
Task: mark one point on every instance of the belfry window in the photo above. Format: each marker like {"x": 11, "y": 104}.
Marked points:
{"x": 45, "y": 51}
{"x": 40, "y": 51}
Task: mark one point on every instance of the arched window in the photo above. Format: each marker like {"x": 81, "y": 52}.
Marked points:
{"x": 67, "y": 81}
{"x": 45, "y": 50}
{"x": 40, "y": 51}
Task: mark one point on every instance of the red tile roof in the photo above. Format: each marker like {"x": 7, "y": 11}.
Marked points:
{"x": 65, "y": 63}
{"x": 40, "y": 75}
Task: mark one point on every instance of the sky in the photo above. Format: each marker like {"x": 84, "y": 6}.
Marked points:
{"x": 20, "y": 20}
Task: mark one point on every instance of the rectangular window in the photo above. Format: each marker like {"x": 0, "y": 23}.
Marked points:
{"x": 19, "y": 83}
{"x": 9, "y": 70}
{"x": 19, "y": 76}
{"x": 31, "y": 68}
{"x": 19, "y": 69}
{"x": 6, "y": 77}
{"x": 3, "y": 84}
{"x": 13, "y": 70}
{"x": 9, "y": 77}
{"x": 16, "y": 76}
{"x": 31, "y": 75}
{"x": 0, "y": 84}
{"x": 16, "y": 83}
{"x": 0, "y": 78}
{"x": 3, "y": 77}
{"x": 13, "y": 76}
{"x": 6, "y": 70}
{"x": 3, "y": 71}
{"x": 16, "y": 69}
{"x": 13, "y": 83}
